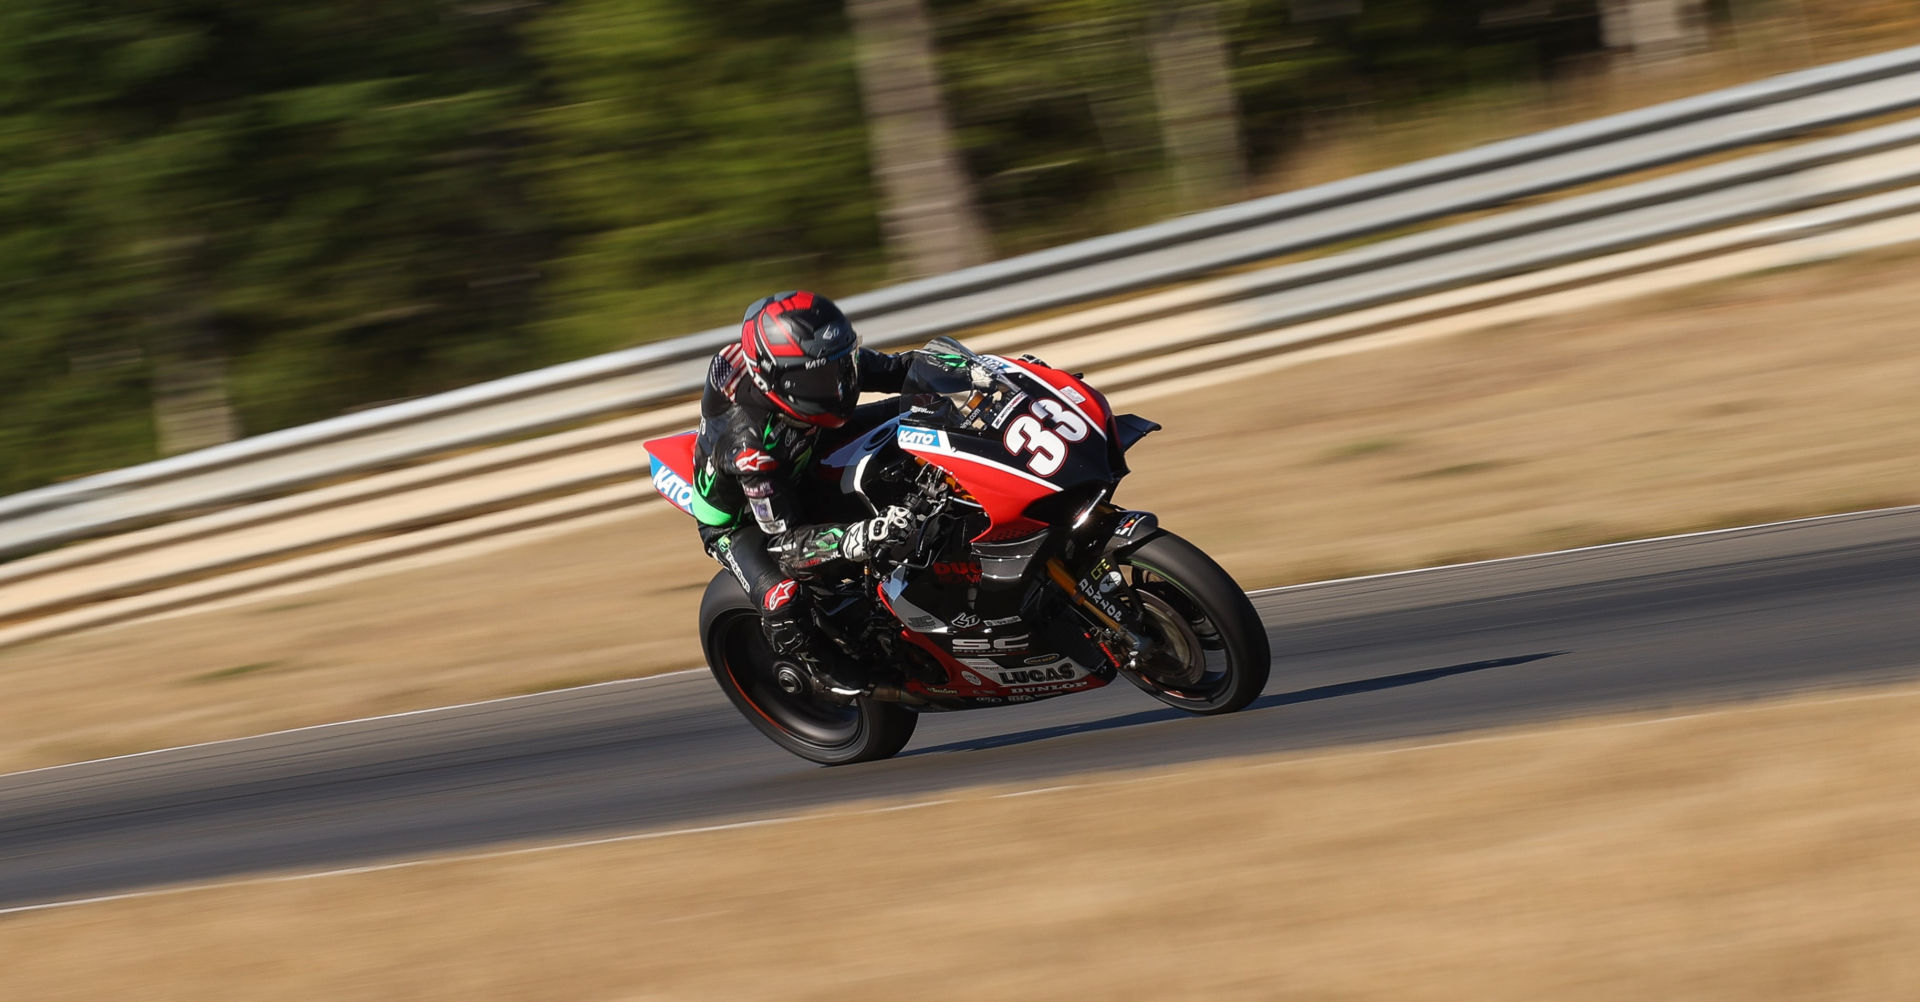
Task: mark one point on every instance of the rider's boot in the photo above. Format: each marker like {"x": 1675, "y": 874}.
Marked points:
{"x": 794, "y": 643}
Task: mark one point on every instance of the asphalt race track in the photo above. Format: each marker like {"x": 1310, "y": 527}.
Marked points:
{"x": 1663, "y": 623}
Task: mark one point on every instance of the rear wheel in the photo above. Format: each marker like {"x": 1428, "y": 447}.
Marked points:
{"x": 815, "y": 726}
{"x": 1211, "y": 652}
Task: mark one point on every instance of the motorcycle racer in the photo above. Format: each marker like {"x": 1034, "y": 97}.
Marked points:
{"x": 798, "y": 369}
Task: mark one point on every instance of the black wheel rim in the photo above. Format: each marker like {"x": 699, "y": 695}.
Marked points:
{"x": 814, "y": 720}
{"x": 1216, "y": 678}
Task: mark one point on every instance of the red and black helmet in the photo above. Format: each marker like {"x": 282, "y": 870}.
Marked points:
{"x": 802, "y": 352}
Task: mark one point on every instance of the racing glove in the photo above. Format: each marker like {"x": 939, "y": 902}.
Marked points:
{"x": 864, "y": 538}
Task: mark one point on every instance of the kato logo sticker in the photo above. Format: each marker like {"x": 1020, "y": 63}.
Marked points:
{"x": 923, "y": 439}
{"x": 971, "y": 678}
{"x": 779, "y": 595}
{"x": 673, "y": 487}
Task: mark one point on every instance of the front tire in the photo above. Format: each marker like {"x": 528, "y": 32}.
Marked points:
{"x": 1213, "y": 656}
{"x": 816, "y": 727}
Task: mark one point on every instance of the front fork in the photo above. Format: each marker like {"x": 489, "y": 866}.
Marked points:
{"x": 1101, "y": 594}
{"x": 1077, "y": 592}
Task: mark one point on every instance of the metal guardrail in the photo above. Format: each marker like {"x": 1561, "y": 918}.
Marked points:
{"x": 1847, "y": 205}
{"x": 1149, "y": 257}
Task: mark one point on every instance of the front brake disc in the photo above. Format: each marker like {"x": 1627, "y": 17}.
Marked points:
{"x": 1179, "y": 658}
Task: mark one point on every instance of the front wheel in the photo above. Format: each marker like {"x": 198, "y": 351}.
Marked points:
{"x": 817, "y": 727}
{"x": 1210, "y": 653}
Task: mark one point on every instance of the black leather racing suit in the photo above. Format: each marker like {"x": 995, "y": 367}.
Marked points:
{"x": 749, "y": 461}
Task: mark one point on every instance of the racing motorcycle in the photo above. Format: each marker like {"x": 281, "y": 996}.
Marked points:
{"x": 1020, "y": 580}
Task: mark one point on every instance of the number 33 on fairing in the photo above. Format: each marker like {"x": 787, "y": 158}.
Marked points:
{"x": 1027, "y": 434}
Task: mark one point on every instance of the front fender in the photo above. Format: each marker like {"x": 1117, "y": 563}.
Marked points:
{"x": 1126, "y": 529}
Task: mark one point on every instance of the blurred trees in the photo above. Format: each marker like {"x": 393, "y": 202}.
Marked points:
{"x": 929, "y": 209}
{"x": 222, "y": 217}
{"x": 1193, "y": 88}
{"x": 695, "y": 156}
{"x": 297, "y": 207}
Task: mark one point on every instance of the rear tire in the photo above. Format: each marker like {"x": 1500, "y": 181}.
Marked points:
{"x": 1202, "y": 616}
{"x": 820, "y": 729}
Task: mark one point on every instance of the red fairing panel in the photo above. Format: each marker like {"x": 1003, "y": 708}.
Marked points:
{"x": 674, "y": 451}
{"x": 672, "y": 461}
{"x": 1001, "y": 490}
{"x": 1004, "y": 494}
{"x": 1088, "y": 400}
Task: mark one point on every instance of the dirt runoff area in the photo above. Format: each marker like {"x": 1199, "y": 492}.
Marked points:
{"x": 1759, "y": 851}
{"x": 1792, "y": 393}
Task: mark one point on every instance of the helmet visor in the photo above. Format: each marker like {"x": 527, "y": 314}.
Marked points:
{"x": 830, "y": 387}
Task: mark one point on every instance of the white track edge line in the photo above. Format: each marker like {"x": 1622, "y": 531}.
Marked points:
{"x": 1285, "y": 761}
{"x": 1254, "y": 594}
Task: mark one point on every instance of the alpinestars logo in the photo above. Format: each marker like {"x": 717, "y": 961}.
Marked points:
{"x": 753, "y": 461}
{"x": 779, "y": 595}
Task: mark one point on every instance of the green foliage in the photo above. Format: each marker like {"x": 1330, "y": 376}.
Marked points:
{"x": 1054, "y": 103}
{"x": 1056, "y": 106}
{"x": 321, "y": 189}
{"x": 699, "y": 156}
{"x": 353, "y": 201}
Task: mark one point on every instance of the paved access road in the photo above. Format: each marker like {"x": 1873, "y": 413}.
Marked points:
{"x": 1663, "y": 623}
